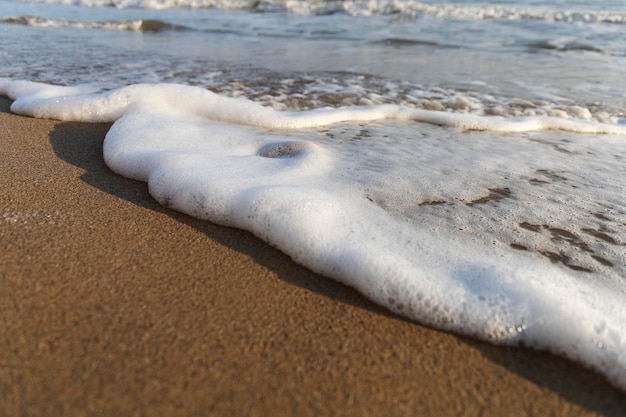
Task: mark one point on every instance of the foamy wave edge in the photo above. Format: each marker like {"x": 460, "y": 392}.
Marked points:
{"x": 450, "y": 286}
{"x": 364, "y": 8}
{"x": 138, "y": 25}
{"x": 32, "y": 99}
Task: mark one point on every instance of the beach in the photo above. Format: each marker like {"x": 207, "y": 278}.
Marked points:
{"x": 113, "y": 305}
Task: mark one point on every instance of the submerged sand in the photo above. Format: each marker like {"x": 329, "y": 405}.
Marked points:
{"x": 113, "y": 305}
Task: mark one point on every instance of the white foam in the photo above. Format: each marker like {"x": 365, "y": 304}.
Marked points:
{"x": 315, "y": 199}
{"x": 34, "y": 100}
{"x": 133, "y": 25}
{"x": 137, "y": 25}
{"x": 349, "y": 90}
{"x": 473, "y": 12}
{"x": 373, "y": 7}
{"x": 158, "y": 4}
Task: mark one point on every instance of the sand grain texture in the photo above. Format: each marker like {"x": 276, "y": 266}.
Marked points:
{"x": 111, "y": 305}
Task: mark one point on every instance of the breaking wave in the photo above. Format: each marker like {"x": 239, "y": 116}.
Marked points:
{"x": 408, "y": 8}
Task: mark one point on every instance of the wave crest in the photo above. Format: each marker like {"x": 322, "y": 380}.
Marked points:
{"x": 406, "y": 8}
{"x": 139, "y": 25}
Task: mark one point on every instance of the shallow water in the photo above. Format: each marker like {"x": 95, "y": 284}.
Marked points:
{"x": 486, "y": 200}
{"x": 525, "y": 61}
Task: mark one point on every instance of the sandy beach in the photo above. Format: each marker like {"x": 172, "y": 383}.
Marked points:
{"x": 112, "y": 305}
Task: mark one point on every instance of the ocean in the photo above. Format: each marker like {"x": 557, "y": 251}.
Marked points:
{"x": 462, "y": 163}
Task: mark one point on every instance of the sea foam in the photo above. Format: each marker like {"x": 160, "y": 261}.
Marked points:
{"x": 371, "y": 7}
{"x": 138, "y": 25}
{"x": 236, "y": 163}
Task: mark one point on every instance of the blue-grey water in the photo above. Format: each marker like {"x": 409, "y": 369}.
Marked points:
{"x": 502, "y": 54}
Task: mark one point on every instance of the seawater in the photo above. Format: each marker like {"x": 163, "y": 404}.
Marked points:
{"x": 461, "y": 162}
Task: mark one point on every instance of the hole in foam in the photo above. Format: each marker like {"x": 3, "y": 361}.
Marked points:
{"x": 283, "y": 149}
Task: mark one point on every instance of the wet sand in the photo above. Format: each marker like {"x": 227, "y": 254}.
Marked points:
{"x": 112, "y": 305}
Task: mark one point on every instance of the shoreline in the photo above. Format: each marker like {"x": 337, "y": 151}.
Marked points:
{"x": 115, "y": 305}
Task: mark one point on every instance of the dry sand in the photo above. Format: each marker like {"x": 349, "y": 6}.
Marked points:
{"x": 111, "y": 305}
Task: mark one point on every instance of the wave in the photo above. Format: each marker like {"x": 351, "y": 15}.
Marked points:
{"x": 221, "y": 159}
{"x": 401, "y": 42}
{"x": 448, "y": 11}
{"x": 337, "y": 89}
{"x": 564, "y": 46}
{"x": 407, "y": 8}
{"x": 138, "y": 25}
{"x": 272, "y": 119}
